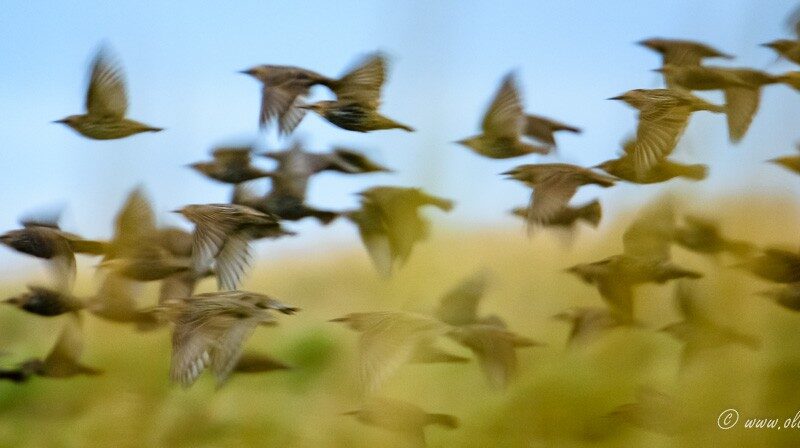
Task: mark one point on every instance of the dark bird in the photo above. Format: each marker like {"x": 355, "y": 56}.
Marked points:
{"x": 357, "y": 103}
{"x": 663, "y": 170}
{"x": 698, "y": 331}
{"x": 663, "y": 116}
{"x": 787, "y": 296}
{"x": 210, "y": 331}
{"x": 504, "y": 124}
{"x": 553, "y": 186}
{"x": 45, "y": 301}
{"x": 588, "y": 323}
{"x": 222, "y": 237}
{"x": 742, "y": 87}
{"x": 774, "y": 265}
{"x": 106, "y": 104}
{"x": 786, "y": 48}
{"x": 404, "y": 419}
{"x": 390, "y": 224}
{"x": 682, "y": 52}
{"x": 258, "y": 363}
{"x": 63, "y": 361}
{"x": 568, "y": 217}
{"x": 231, "y": 165}
{"x": 285, "y": 88}
{"x": 791, "y": 163}
{"x": 705, "y": 237}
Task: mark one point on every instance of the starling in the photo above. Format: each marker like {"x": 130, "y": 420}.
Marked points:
{"x": 742, "y": 87}
{"x": 106, "y": 104}
{"x": 231, "y": 165}
{"x": 553, "y": 186}
{"x": 652, "y": 411}
{"x": 285, "y": 206}
{"x": 704, "y": 236}
{"x": 787, "y": 296}
{"x": 698, "y": 331}
{"x": 45, "y": 302}
{"x": 664, "y": 169}
{"x": 210, "y": 330}
{"x": 459, "y": 306}
{"x": 357, "y": 103}
{"x": 149, "y": 263}
{"x": 587, "y": 323}
{"x": 404, "y": 419}
{"x": 390, "y": 225}
{"x": 568, "y": 217}
{"x": 663, "y": 116}
{"x": 505, "y": 123}
{"x": 285, "y": 87}
{"x": 63, "y": 361}
{"x": 223, "y": 233}
{"x": 682, "y": 52}
{"x": 791, "y": 163}
{"x": 645, "y": 259}
{"x": 787, "y": 48}
{"x": 774, "y": 265}
{"x": 543, "y": 129}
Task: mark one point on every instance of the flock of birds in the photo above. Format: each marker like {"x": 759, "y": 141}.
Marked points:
{"x": 209, "y": 329}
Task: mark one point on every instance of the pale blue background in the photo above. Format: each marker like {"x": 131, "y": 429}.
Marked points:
{"x": 447, "y": 59}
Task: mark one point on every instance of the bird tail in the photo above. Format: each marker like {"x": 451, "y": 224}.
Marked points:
{"x": 694, "y": 172}
{"x": 446, "y": 420}
{"x": 325, "y": 217}
{"x": 791, "y": 79}
{"x": 534, "y": 149}
{"x": 367, "y": 75}
{"x": 591, "y": 213}
{"x": 382, "y": 122}
{"x": 88, "y": 247}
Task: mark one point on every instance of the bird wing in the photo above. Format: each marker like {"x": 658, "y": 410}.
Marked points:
{"x": 618, "y": 294}
{"x": 741, "y": 104}
{"x": 494, "y": 348}
{"x": 228, "y": 349}
{"x": 177, "y": 286}
{"x": 657, "y": 135}
{"x": 550, "y": 196}
{"x": 135, "y": 222}
{"x": 390, "y": 340}
{"x": 68, "y": 347}
{"x": 114, "y": 298}
{"x": 363, "y": 83}
{"x": 505, "y": 117}
{"x": 459, "y": 305}
{"x": 208, "y": 240}
{"x": 237, "y": 157}
{"x": 232, "y": 259}
{"x": 63, "y": 269}
{"x": 651, "y": 234}
{"x": 278, "y": 101}
{"x": 106, "y": 95}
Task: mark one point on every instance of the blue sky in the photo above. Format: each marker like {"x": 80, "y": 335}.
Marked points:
{"x": 447, "y": 59}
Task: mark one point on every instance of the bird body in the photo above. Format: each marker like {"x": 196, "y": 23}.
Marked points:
{"x": 355, "y": 116}
{"x": 787, "y": 48}
{"x": 683, "y": 52}
{"x": 590, "y": 213}
{"x": 624, "y": 168}
{"x": 45, "y": 302}
{"x": 106, "y": 104}
{"x": 231, "y": 165}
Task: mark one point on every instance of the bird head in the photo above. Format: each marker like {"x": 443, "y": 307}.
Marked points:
{"x": 789, "y": 162}
{"x": 780, "y": 45}
{"x": 14, "y": 301}
{"x": 653, "y": 44}
{"x": 202, "y": 167}
{"x": 351, "y": 320}
{"x": 258, "y": 71}
{"x": 636, "y": 98}
{"x": 72, "y": 121}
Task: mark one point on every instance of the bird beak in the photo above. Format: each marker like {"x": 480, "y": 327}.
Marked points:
{"x": 618, "y": 97}
{"x": 339, "y": 319}
{"x": 177, "y": 210}
{"x": 62, "y": 121}
{"x": 349, "y": 413}
{"x": 249, "y": 71}
{"x": 768, "y": 44}
{"x": 658, "y": 70}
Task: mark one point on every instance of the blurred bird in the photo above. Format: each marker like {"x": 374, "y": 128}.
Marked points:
{"x": 230, "y": 165}
{"x": 543, "y": 129}
{"x": 774, "y": 265}
{"x": 553, "y": 186}
{"x": 404, "y": 419}
{"x": 41, "y": 237}
{"x": 285, "y": 88}
{"x": 742, "y": 87}
{"x": 505, "y": 123}
{"x": 390, "y": 225}
{"x": 645, "y": 259}
{"x": 258, "y": 363}
{"x": 791, "y": 163}
{"x": 682, "y": 52}
{"x": 106, "y": 104}
{"x": 652, "y": 411}
{"x": 704, "y": 236}
{"x": 663, "y": 170}
{"x": 115, "y": 302}
{"x": 45, "y": 301}
{"x": 663, "y": 116}
{"x": 787, "y": 48}
{"x": 588, "y": 323}
{"x": 222, "y": 235}
{"x": 459, "y": 305}
{"x": 357, "y": 103}
{"x": 787, "y": 296}
{"x": 698, "y": 331}
{"x": 568, "y": 217}
{"x": 63, "y": 361}
{"x": 211, "y": 328}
